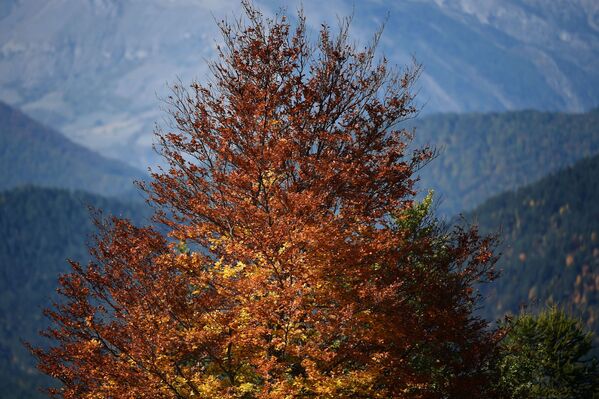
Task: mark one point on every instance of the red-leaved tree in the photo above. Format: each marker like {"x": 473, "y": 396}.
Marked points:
{"x": 298, "y": 264}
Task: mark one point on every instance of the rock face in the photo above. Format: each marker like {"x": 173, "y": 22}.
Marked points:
{"x": 95, "y": 68}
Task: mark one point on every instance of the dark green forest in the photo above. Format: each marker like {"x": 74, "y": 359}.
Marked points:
{"x": 549, "y": 244}
{"x": 481, "y": 155}
{"x": 40, "y": 229}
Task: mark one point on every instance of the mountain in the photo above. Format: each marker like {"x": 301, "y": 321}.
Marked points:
{"x": 481, "y": 155}
{"x": 94, "y": 68}
{"x": 31, "y": 153}
{"x": 40, "y": 229}
{"x": 550, "y": 244}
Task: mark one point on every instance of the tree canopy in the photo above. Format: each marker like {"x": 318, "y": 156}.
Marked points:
{"x": 297, "y": 262}
{"x": 548, "y": 356}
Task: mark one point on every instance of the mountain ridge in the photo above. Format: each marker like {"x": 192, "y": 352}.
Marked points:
{"x": 31, "y": 153}
{"x": 484, "y": 154}
{"x": 93, "y": 69}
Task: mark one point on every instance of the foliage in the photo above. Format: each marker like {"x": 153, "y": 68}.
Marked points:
{"x": 40, "y": 228}
{"x": 31, "y": 153}
{"x": 297, "y": 264}
{"x": 550, "y": 249}
{"x": 485, "y": 154}
{"x": 548, "y": 356}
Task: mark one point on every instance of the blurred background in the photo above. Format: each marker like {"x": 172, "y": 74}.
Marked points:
{"x": 508, "y": 95}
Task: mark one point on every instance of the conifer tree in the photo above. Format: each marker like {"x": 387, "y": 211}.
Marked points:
{"x": 548, "y": 356}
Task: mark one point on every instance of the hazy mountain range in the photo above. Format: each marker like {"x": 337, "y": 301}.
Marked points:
{"x": 94, "y": 68}
{"x": 485, "y": 154}
{"x": 33, "y": 154}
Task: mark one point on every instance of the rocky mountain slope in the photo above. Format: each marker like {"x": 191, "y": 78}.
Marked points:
{"x": 94, "y": 68}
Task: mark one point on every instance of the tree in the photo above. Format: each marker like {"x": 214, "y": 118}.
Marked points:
{"x": 548, "y": 356}
{"x": 297, "y": 263}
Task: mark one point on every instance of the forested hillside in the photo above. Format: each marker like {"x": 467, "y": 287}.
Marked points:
{"x": 31, "y": 153}
{"x": 550, "y": 248}
{"x": 40, "y": 229}
{"x": 481, "y": 155}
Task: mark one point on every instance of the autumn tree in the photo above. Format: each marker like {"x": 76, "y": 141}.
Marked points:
{"x": 298, "y": 263}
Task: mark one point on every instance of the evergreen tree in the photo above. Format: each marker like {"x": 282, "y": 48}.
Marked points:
{"x": 548, "y": 356}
